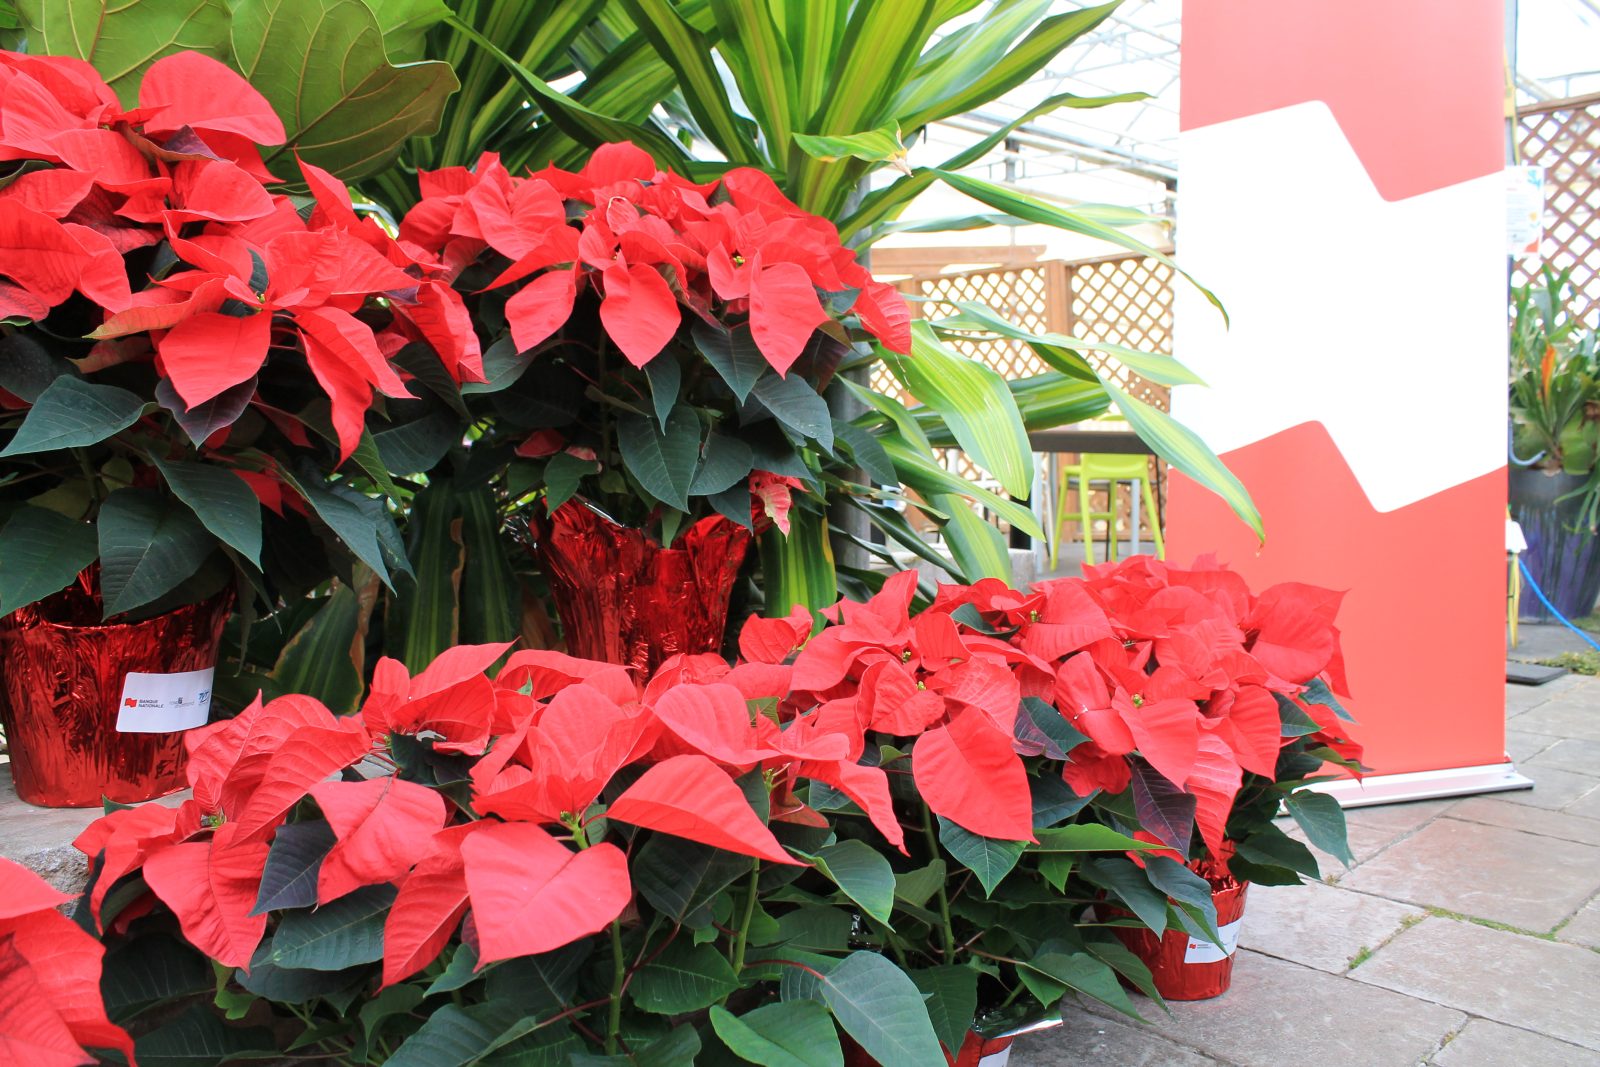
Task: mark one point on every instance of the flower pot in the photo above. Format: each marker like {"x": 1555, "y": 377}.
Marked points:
{"x": 623, "y": 598}
{"x": 1565, "y": 563}
{"x": 1190, "y": 968}
{"x": 94, "y": 710}
{"x": 976, "y": 1051}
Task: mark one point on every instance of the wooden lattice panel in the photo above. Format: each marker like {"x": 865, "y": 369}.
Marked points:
{"x": 1125, "y": 299}
{"x": 1564, "y": 137}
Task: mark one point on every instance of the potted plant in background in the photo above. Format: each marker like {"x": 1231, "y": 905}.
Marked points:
{"x": 187, "y": 362}
{"x": 1555, "y": 443}
{"x": 665, "y": 343}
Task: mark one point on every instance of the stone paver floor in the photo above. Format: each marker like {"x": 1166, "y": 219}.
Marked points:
{"x": 1466, "y": 934}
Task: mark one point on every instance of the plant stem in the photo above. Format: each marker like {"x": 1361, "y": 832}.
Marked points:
{"x": 619, "y": 974}
{"x": 944, "y": 900}
{"x": 744, "y": 924}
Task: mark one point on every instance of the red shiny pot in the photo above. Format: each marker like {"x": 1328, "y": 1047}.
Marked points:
{"x": 1189, "y": 968}
{"x": 60, "y": 687}
{"x": 623, "y": 598}
{"x": 975, "y": 1051}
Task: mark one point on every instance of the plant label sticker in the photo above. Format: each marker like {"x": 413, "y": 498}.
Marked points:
{"x": 164, "y": 703}
{"x": 996, "y": 1059}
{"x": 1200, "y": 951}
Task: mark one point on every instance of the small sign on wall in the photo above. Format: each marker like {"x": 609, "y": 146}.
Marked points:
{"x": 1524, "y": 210}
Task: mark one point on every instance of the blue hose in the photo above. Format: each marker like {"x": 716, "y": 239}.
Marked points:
{"x": 1562, "y": 619}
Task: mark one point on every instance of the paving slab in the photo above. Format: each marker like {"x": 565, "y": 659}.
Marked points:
{"x": 1553, "y": 788}
{"x": 1584, "y": 929}
{"x": 1586, "y": 806}
{"x": 1528, "y": 982}
{"x": 1488, "y": 872}
{"x": 1569, "y": 714}
{"x": 1556, "y": 824}
{"x": 1084, "y": 1038}
{"x": 1319, "y": 925}
{"x": 1280, "y": 1013}
{"x": 1364, "y": 844}
{"x": 1398, "y": 818}
{"x": 1570, "y": 754}
{"x": 1487, "y": 1044}
{"x": 1522, "y": 746}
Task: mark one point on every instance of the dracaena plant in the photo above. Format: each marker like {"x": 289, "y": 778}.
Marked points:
{"x": 190, "y": 357}
{"x": 656, "y": 346}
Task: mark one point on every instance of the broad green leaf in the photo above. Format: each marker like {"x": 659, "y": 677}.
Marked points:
{"x": 540, "y": 984}
{"x": 1188, "y": 891}
{"x": 877, "y": 1004}
{"x": 952, "y": 993}
{"x": 988, "y": 858}
{"x": 863, "y": 873}
{"x": 73, "y": 413}
{"x": 562, "y": 474}
{"x": 324, "y": 657}
{"x": 981, "y": 78}
{"x": 727, "y": 462}
{"x": 794, "y": 403}
{"x": 663, "y": 461}
{"x": 454, "y": 1037}
{"x": 798, "y": 569}
{"x": 918, "y": 886}
{"x": 147, "y": 547}
{"x": 337, "y": 935}
{"x": 761, "y": 62}
{"x": 1155, "y": 366}
{"x": 491, "y": 598}
{"x": 974, "y": 400}
{"x": 1085, "y": 973}
{"x": 1115, "y": 955}
{"x": 1086, "y": 837}
{"x": 221, "y": 500}
{"x": 1322, "y": 819}
{"x": 41, "y": 553}
{"x": 685, "y": 977}
{"x": 976, "y": 546}
{"x": 27, "y": 368}
{"x": 688, "y": 53}
{"x": 920, "y": 472}
{"x": 201, "y": 421}
{"x": 122, "y": 39}
{"x": 733, "y": 354}
{"x": 1317, "y": 692}
{"x": 405, "y": 25}
{"x": 369, "y": 461}
{"x": 322, "y": 66}
{"x": 354, "y": 519}
{"x": 1129, "y": 884}
{"x": 150, "y": 970}
{"x": 816, "y": 928}
{"x": 680, "y": 879}
{"x": 796, "y": 1033}
{"x": 1032, "y": 209}
{"x": 666, "y": 379}
{"x": 461, "y": 971}
{"x": 197, "y": 1038}
{"x": 293, "y": 864}
{"x": 415, "y": 447}
{"x": 291, "y": 985}
{"x": 1183, "y": 449}
{"x": 867, "y": 453}
{"x": 881, "y": 145}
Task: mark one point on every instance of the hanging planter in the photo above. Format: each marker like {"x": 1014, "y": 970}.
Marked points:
{"x": 625, "y": 599}
{"x": 1192, "y": 968}
{"x": 1563, "y": 556}
{"x": 97, "y": 710}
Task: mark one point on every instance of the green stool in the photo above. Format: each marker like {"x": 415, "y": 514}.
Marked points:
{"x": 1111, "y": 468}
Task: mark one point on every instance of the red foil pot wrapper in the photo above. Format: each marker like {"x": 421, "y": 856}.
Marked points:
{"x": 976, "y": 1051}
{"x": 623, "y": 598}
{"x": 60, "y": 690}
{"x": 1192, "y": 968}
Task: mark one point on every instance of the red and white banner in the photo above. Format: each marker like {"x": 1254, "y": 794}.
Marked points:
{"x": 1342, "y": 191}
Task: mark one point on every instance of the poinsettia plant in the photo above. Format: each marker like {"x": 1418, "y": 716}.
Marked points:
{"x": 657, "y": 347}
{"x": 51, "y": 1011}
{"x": 189, "y": 357}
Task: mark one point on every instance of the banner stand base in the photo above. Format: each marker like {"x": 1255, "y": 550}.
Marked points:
{"x": 1425, "y": 785}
